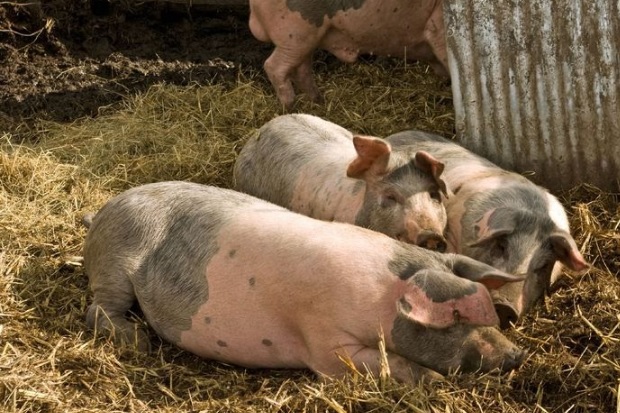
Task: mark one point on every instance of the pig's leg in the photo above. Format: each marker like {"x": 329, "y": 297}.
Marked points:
{"x": 106, "y": 315}
{"x": 304, "y": 80}
{"x": 401, "y": 369}
{"x": 369, "y": 359}
{"x": 435, "y": 36}
{"x": 280, "y": 68}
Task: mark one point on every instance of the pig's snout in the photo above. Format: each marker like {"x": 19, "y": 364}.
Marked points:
{"x": 506, "y": 311}
{"x": 507, "y": 314}
{"x": 432, "y": 241}
{"x": 514, "y": 358}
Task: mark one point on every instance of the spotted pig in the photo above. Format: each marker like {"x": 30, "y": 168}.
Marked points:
{"x": 503, "y": 219}
{"x": 322, "y": 170}
{"x": 230, "y": 277}
{"x": 410, "y": 29}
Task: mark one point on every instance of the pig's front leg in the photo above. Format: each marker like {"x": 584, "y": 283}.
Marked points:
{"x": 369, "y": 359}
{"x": 401, "y": 369}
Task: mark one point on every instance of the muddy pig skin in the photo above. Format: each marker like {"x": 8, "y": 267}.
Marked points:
{"x": 230, "y": 277}
{"x": 503, "y": 219}
{"x": 320, "y": 169}
{"x": 410, "y": 29}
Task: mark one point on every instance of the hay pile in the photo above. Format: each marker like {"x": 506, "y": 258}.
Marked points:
{"x": 50, "y": 363}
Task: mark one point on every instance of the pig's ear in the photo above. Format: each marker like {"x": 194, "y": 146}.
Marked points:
{"x": 567, "y": 252}
{"x": 491, "y": 235}
{"x": 373, "y": 155}
{"x": 495, "y": 223}
{"x": 439, "y": 300}
{"x": 477, "y": 271}
{"x": 426, "y": 162}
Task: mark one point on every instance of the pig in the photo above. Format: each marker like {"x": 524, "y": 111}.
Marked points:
{"x": 502, "y": 219}
{"x": 230, "y": 277}
{"x": 319, "y": 169}
{"x": 410, "y": 29}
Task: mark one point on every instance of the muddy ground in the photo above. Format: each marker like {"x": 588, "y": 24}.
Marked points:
{"x": 65, "y": 59}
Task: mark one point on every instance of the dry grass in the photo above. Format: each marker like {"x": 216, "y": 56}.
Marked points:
{"x": 50, "y": 363}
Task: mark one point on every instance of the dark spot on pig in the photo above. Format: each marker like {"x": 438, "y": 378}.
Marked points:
{"x": 222, "y": 343}
{"x": 395, "y": 9}
{"x": 314, "y": 12}
{"x": 404, "y": 273}
{"x": 267, "y": 342}
{"x": 188, "y": 219}
{"x": 408, "y": 260}
{"x": 232, "y": 253}
{"x": 252, "y": 281}
{"x": 290, "y": 36}
{"x": 207, "y": 320}
{"x": 440, "y": 288}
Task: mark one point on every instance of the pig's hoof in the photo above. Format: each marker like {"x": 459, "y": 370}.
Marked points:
{"x": 120, "y": 330}
{"x": 135, "y": 338}
{"x": 423, "y": 375}
{"x": 432, "y": 377}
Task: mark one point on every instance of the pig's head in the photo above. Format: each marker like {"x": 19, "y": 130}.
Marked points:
{"x": 403, "y": 193}
{"x": 447, "y": 323}
{"x": 525, "y": 242}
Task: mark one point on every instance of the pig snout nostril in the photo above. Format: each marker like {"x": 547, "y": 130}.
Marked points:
{"x": 432, "y": 241}
{"x": 507, "y": 314}
{"x": 441, "y": 246}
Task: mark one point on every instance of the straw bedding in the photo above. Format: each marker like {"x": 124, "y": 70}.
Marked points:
{"x": 49, "y": 361}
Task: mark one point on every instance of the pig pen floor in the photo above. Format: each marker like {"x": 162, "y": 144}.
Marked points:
{"x": 98, "y": 97}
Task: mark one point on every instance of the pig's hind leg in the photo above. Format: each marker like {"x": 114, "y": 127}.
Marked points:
{"x": 303, "y": 77}
{"x": 113, "y": 297}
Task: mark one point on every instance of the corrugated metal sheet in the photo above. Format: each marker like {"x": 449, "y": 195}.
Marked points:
{"x": 536, "y": 86}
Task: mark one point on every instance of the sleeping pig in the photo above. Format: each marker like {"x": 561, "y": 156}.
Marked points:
{"x": 230, "y": 277}
{"x": 503, "y": 219}
{"x": 322, "y": 170}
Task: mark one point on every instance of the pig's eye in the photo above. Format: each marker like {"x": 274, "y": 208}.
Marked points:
{"x": 499, "y": 248}
{"x": 435, "y": 196}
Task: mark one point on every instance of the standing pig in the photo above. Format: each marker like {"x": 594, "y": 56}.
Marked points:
{"x": 320, "y": 169}
{"x": 234, "y": 278}
{"x": 502, "y": 219}
{"x": 411, "y": 29}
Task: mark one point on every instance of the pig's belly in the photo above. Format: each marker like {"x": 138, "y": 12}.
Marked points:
{"x": 244, "y": 338}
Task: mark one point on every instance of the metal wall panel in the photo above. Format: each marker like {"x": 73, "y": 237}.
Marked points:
{"x": 536, "y": 86}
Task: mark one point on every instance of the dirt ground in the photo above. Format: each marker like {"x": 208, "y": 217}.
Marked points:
{"x": 65, "y": 59}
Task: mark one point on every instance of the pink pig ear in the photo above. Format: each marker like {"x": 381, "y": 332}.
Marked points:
{"x": 426, "y": 162}
{"x": 373, "y": 155}
{"x": 495, "y": 223}
{"x": 567, "y": 252}
{"x": 440, "y": 300}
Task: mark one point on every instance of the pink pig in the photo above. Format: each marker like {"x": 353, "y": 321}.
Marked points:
{"x": 322, "y": 170}
{"x": 230, "y": 277}
{"x": 411, "y": 29}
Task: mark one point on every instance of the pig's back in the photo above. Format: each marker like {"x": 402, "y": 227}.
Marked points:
{"x": 159, "y": 235}
{"x": 271, "y": 162}
{"x": 234, "y": 278}
{"x": 461, "y": 165}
